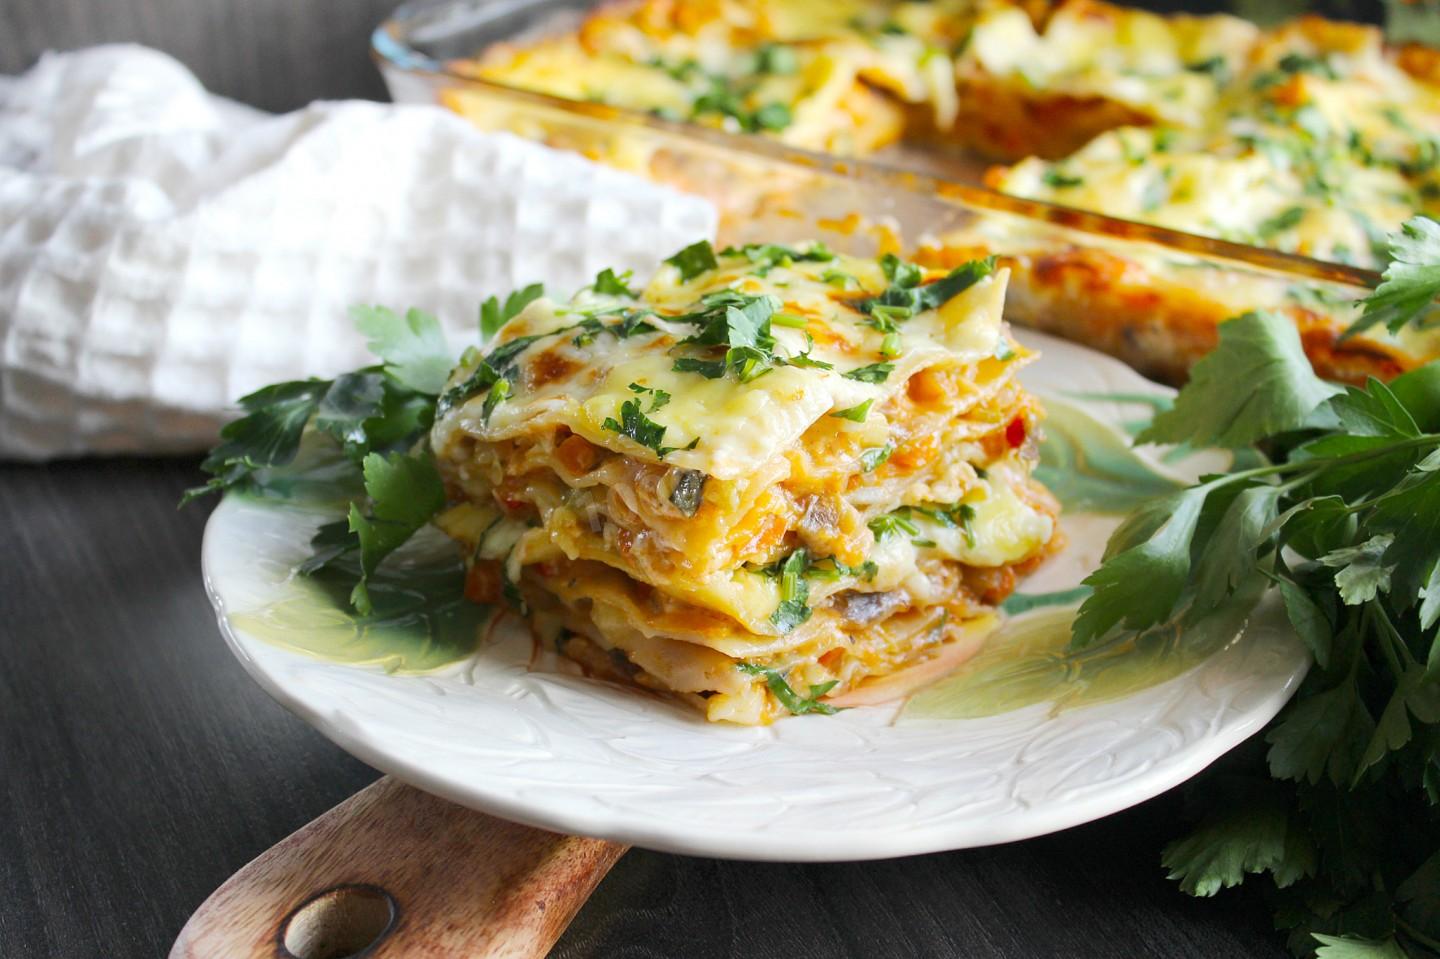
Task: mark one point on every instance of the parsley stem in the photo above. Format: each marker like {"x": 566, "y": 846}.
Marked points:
{"x": 1396, "y": 649}
{"x": 1417, "y": 935}
{"x": 1321, "y": 465}
{"x": 1375, "y": 616}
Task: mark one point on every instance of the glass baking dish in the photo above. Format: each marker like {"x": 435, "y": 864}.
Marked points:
{"x": 1152, "y": 296}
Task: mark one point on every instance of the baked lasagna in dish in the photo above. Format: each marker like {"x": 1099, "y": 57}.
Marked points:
{"x": 1314, "y": 137}
{"x": 764, "y": 483}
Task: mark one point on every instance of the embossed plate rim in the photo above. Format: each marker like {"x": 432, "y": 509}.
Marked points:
{"x": 572, "y": 755}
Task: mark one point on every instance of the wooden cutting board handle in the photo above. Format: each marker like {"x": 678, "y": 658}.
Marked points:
{"x": 393, "y": 872}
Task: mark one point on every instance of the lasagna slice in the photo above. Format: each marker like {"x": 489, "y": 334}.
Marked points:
{"x": 770, "y": 477}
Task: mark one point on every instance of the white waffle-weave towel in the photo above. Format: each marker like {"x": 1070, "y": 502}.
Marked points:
{"x": 164, "y": 251}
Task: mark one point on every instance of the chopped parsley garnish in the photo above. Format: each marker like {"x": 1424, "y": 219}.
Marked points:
{"x": 740, "y": 324}
{"x": 804, "y": 359}
{"x": 499, "y": 390}
{"x": 772, "y": 116}
{"x": 794, "y": 592}
{"x": 777, "y": 59}
{"x": 496, "y": 367}
{"x": 767, "y": 256}
{"x": 874, "y": 373}
{"x": 1216, "y": 67}
{"x": 658, "y": 397}
{"x": 893, "y": 524}
{"x": 797, "y": 705}
{"x": 1285, "y": 220}
{"x": 959, "y": 516}
{"x": 856, "y": 414}
{"x": 631, "y": 323}
{"x": 900, "y": 272}
{"x": 1061, "y": 181}
{"x": 494, "y": 314}
{"x": 872, "y": 459}
{"x": 710, "y": 369}
{"x": 793, "y": 571}
{"x": 637, "y": 426}
{"x": 906, "y": 292}
{"x": 830, "y": 568}
{"x": 608, "y": 283}
{"x": 695, "y": 259}
{"x": 726, "y": 96}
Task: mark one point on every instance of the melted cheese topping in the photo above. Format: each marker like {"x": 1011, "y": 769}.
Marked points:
{"x": 735, "y": 426}
{"x": 1312, "y": 138}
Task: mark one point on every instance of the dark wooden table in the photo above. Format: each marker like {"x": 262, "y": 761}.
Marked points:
{"x": 140, "y": 767}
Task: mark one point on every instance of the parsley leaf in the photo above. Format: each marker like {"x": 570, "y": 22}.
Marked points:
{"x": 413, "y": 346}
{"x": 794, "y": 592}
{"x": 1255, "y": 383}
{"x": 797, "y": 705}
{"x": 351, "y": 400}
{"x": 1411, "y": 281}
{"x": 405, "y": 493}
{"x": 695, "y": 259}
{"x": 1341, "y": 513}
{"x": 658, "y": 397}
{"x": 1251, "y": 834}
{"x": 871, "y": 459}
{"x": 1138, "y": 586}
{"x": 1287, "y": 219}
{"x": 608, "y": 283}
{"x": 1338, "y": 947}
{"x": 767, "y": 256}
{"x": 893, "y": 524}
{"x": 637, "y": 426}
{"x": 905, "y": 293}
{"x": 1061, "y": 181}
{"x": 874, "y": 373}
{"x": 494, "y": 314}
{"x": 855, "y": 414}
{"x": 268, "y": 436}
{"x": 739, "y": 322}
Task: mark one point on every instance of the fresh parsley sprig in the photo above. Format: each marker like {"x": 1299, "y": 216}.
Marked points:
{"x": 1342, "y": 518}
{"x": 1411, "y": 281}
{"x": 377, "y": 409}
{"x": 380, "y": 417}
{"x": 795, "y": 703}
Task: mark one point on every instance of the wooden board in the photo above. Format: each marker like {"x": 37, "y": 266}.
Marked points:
{"x": 394, "y": 871}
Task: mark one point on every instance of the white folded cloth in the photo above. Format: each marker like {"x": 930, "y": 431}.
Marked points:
{"x": 163, "y": 251}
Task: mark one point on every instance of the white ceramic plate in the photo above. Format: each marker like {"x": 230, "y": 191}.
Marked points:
{"x": 566, "y": 753}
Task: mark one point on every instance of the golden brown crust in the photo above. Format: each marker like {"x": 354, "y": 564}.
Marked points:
{"x": 1157, "y": 325}
{"x": 1007, "y": 123}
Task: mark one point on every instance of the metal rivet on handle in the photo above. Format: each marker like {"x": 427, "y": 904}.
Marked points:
{"x": 342, "y": 922}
